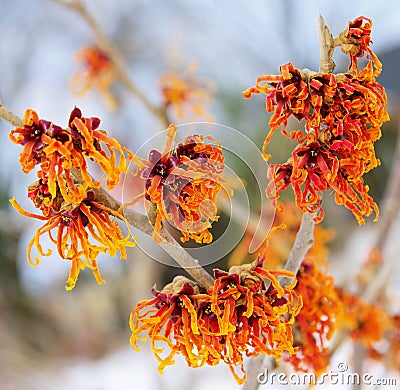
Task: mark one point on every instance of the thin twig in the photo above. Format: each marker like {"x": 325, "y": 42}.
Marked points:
{"x": 169, "y": 244}
{"x": 139, "y": 221}
{"x": 305, "y": 236}
{"x": 326, "y": 64}
{"x": 187, "y": 262}
{"x": 302, "y": 244}
{"x": 380, "y": 281}
{"x": 114, "y": 55}
{"x": 256, "y": 366}
{"x": 8, "y": 116}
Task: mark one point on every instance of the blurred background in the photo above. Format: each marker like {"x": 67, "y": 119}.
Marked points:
{"x": 54, "y": 339}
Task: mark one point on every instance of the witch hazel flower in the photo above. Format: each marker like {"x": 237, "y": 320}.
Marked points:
{"x": 366, "y": 322}
{"x": 355, "y": 42}
{"x": 185, "y": 93}
{"x": 94, "y": 144}
{"x": 342, "y": 115}
{"x": 98, "y": 72}
{"x": 182, "y": 182}
{"x": 79, "y": 231}
{"x": 58, "y": 152}
{"x": 317, "y": 321}
{"x": 79, "y": 225}
{"x": 246, "y": 312}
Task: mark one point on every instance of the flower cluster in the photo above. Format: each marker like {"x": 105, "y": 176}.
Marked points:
{"x": 98, "y": 72}
{"x": 79, "y": 231}
{"x": 64, "y": 192}
{"x": 316, "y": 322}
{"x": 343, "y": 114}
{"x": 236, "y": 317}
{"x": 183, "y": 183}
{"x": 61, "y": 152}
{"x": 185, "y": 93}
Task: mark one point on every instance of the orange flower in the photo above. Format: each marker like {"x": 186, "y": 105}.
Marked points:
{"x": 314, "y": 169}
{"x": 183, "y": 184}
{"x": 58, "y": 151}
{"x": 170, "y": 318}
{"x": 185, "y": 93}
{"x": 34, "y": 136}
{"x": 344, "y": 108}
{"x": 239, "y": 316}
{"x": 286, "y": 95}
{"x": 82, "y": 230}
{"x": 343, "y": 114}
{"x": 367, "y": 322}
{"x": 99, "y": 73}
{"x": 252, "y": 316}
{"x": 88, "y": 140}
{"x": 355, "y": 41}
{"x": 390, "y": 355}
{"x": 39, "y": 194}
{"x": 315, "y": 324}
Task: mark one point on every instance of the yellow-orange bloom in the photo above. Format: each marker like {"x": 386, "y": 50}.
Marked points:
{"x": 367, "y": 322}
{"x": 185, "y": 93}
{"x": 343, "y": 114}
{"x": 316, "y": 322}
{"x": 98, "y": 72}
{"x": 183, "y": 183}
{"x": 89, "y": 141}
{"x": 390, "y": 354}
{"x": 80, "y": 231}
{"x": 236, "y": 317}
{"x": 58, "y": 151}
{"x": 355, "y": 42}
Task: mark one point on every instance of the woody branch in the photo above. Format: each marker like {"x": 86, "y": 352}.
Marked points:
{"x": 137, "y": 220}
{"x": 305, "y": 235}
